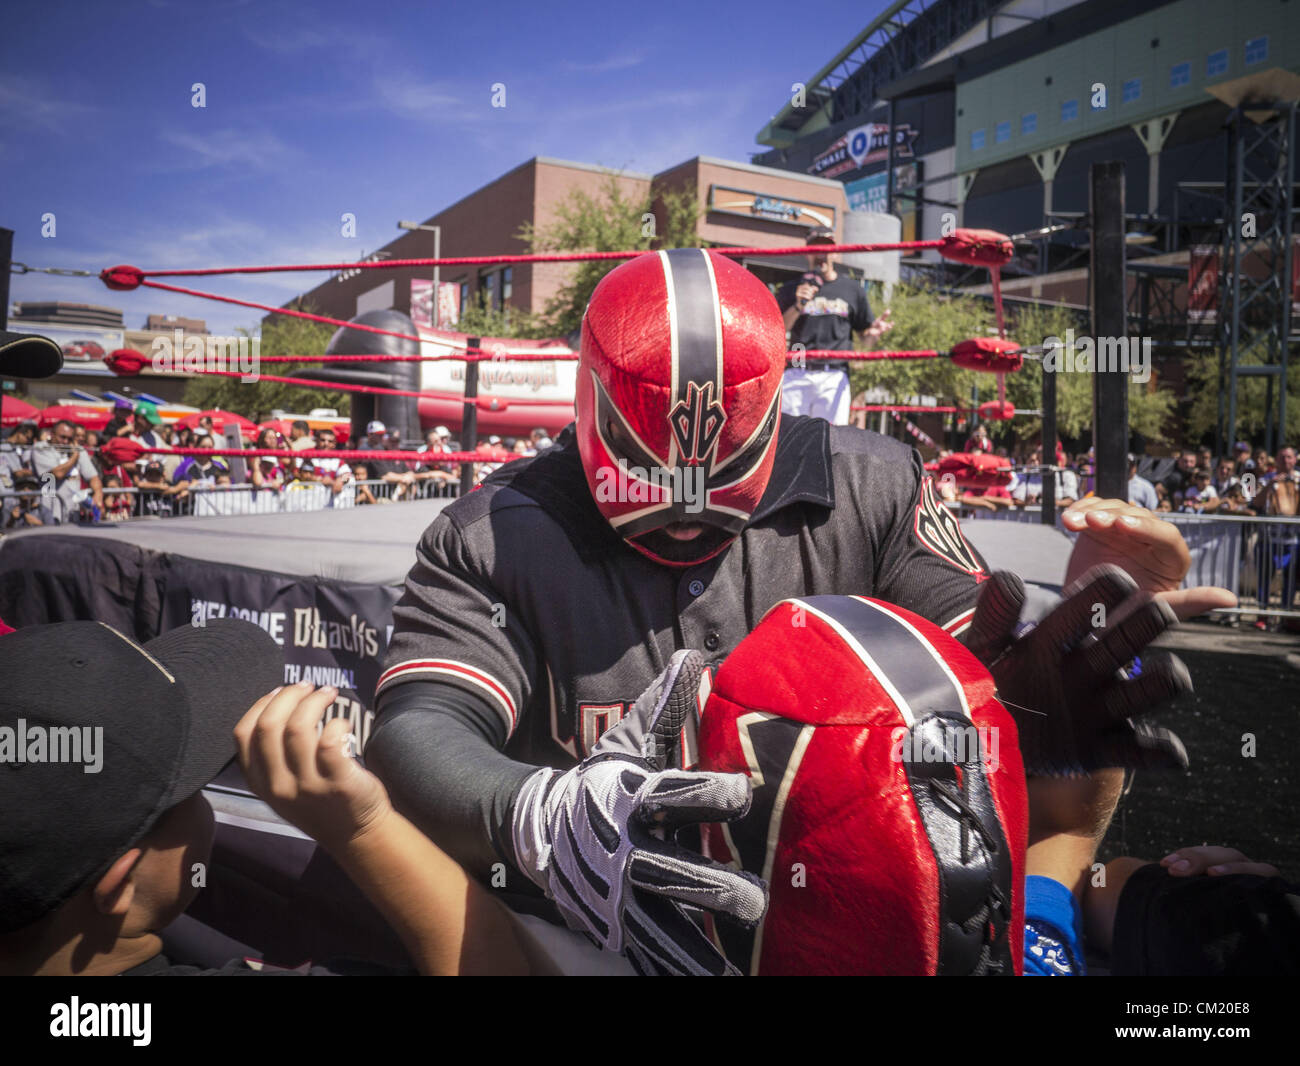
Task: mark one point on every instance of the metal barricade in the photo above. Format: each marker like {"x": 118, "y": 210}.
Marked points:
{"x": 1241, "y": 553}
{"x": 30, "y": 500}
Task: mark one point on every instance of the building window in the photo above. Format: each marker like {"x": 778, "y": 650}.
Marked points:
{"x": 489, "y": 287}
{"x": 1002, "y": 132}
{"x": 1216, "y": 63}
{"x": 1180, "y": 74}
{"x": 507, "y": 285}
{"x": 1132, "y": 90}
{"x": 1029, "y": 123}
{"x": 1069, "y": 110}
{"x": 1256, "y": 50}
{"x": 976, "y": 140}
{"x": 464, "y": 296}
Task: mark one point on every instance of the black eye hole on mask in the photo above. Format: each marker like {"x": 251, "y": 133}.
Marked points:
{"x": 621, "y": 444}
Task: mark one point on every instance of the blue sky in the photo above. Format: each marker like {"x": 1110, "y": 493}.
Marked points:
{"x": 314, "y": 110}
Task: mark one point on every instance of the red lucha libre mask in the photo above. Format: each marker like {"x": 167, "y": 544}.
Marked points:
{"x": 889, "y": 815}
{"x": 678, "y": 399}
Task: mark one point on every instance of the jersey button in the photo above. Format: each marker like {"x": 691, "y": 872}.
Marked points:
{"x": 695, "y": 587}
{"x": 712, "y": 641}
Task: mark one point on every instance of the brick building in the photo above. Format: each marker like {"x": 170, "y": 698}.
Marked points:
{"x": 742, "y": 205}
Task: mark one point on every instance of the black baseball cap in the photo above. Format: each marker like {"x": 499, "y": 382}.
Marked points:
{"x": 25, "y": 355}
{"x": 1237, "y": 925}
{"x": 138, "y": 728}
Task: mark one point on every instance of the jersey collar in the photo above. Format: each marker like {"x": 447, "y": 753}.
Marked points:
{"x": 802, "y": 469}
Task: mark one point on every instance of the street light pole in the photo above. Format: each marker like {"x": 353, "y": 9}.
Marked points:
{"x": 437, "y": 254}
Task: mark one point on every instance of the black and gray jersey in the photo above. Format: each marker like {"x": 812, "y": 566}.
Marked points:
{"x": 524, "y": 596}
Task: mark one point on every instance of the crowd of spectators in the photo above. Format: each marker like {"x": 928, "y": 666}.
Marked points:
{"x": 1247, "y": 483}
{"x": 1193, "y": 482}
{"x": 57, "y": 474}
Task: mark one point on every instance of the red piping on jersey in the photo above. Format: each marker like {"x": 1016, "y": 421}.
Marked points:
{"x": 446, "y": 666}
{"x": 959, "y": 623}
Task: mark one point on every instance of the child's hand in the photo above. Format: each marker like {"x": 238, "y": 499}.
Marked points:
{"x": 307, "y": 779}
{"x": 1216, "y": 861}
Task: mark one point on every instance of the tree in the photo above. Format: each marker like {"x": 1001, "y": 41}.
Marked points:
{"x": 1252, "y": 397}
{"x": 479, "y": 320}
{"x": 927, "y": 319}
{"x": 608, "y": 222}
{"x": 281, "y": 335}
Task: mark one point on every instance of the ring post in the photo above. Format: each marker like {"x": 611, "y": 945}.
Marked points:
{"x": 469, "y": 423}
{"x": 1108, "y": 299}
{"x": 1048, "y": 497}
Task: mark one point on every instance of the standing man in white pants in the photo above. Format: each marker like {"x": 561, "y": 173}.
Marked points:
{"x": 822, "y": 310}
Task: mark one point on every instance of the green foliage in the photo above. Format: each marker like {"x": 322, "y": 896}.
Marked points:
{"x": 1252, "y": 397}
{"x": 479, "y": 320}
{"x": 606, "y": 222}
{"x": 924, "y": 318}
{"x": 281, "y": 335}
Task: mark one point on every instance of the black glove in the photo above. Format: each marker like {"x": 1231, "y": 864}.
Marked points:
{"x": 1064, "y": 681}
{"x": 599, "y": 838}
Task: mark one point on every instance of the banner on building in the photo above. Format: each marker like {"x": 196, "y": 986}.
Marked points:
{"x": 422, "y": 304}
{"x": 861, "y": 147}
{"x": 1203, "y": 283}
{"x": 1295, "y": 275}
{"x": 869, "y": 193}
{"x": 448, "y": 304}
{"x": 728, "y": 201}
{"x": 84, "y": 347}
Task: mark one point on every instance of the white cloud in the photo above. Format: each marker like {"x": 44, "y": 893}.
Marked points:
{"x": 25, "y": 103}
{"x": 412, "y": 98}
{"x": 618, "y": 61}
{"x": 302, "y": 36}
{"x": 252, "y": 149}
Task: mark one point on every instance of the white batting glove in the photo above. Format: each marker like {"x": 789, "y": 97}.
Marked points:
{"x": 598, "y": 839}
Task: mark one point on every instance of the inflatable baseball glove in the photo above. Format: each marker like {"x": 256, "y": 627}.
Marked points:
{"x": 598, "y": 839}
{"x": 1079, "y": 681}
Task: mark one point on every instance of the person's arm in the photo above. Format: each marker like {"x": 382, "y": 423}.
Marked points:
{"x": 449, "y": 700}
{"x": 1068, "y": 818}
{"x": 1101, "y": 903}
{"x": 45, "y": 461}
{"x": 1069, "y": 489}
{"x": 450, "y": 924}
{"x": 436, "y": 748}
{"x": 924, "y": 563}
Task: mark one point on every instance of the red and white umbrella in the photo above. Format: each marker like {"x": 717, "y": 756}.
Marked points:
{"x": 219, "y": 421}
{"x": 95, "y": 418}
{"x": 14, "y": 411}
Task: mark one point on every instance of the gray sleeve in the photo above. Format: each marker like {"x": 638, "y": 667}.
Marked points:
{"x": 45, "y": 459}
{"x": 452, "y": 626}
{"x": 434, "y": 747}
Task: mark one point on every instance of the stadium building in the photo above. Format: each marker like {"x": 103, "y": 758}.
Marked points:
{"x": 989, "y": 115}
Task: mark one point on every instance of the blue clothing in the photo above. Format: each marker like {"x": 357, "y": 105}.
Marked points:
{"x": 1053, "y": 930}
